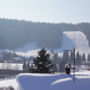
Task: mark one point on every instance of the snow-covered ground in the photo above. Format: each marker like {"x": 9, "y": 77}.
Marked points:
{"x": 70, "y": 39}
{"x": 8, "y": 82}
{"x": 11, "y": 66}
{"x": 54, "y": 81}
{"x": 29, "y": 49}
{"x": 58, "y": 81}
{"x": 75, "y": 39}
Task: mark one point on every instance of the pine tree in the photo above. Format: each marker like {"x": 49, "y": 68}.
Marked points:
{"x": 88, "y": 58}
{"x": 78, "y": 59}
{"x": 56, "y": 61}
{"x": 83, "y": 57}
{"x": 71, "y": 58}
{"x": 66, "y": 56}
{"x": 43, "y": 63}
{"x": 64, "y": 61}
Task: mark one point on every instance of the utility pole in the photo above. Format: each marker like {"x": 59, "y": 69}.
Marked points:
{"x": 74, "y": 59}
{"x": 74, "y": 64}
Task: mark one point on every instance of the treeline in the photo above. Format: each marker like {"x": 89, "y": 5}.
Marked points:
{"x": 68, "y": 58}
{"x": 14, "y": 33}
{"x": 44, "y": 64}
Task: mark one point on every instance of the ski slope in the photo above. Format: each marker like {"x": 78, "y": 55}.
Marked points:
{"x": 75, "y": 39}
{"x": 31, "y": 81}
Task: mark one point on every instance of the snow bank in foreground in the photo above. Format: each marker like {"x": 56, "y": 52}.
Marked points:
{"x": 54, "y": 81}
{"x": 8, "y": 83}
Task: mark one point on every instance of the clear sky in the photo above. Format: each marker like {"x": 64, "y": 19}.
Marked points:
{"x": 70, "y": 11}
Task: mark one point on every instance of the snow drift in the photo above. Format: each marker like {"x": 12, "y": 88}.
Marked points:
{"x": 8, "y": 82}
{"x": 54, "y": 81}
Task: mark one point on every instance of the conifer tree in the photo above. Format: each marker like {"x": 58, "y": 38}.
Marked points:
{"x": 88, "y": 58}
{"x": 56, "y": 61}
{"x": 78, "y": 59}
{"x": 83, "y": 57}
{"x": 43, "y": 63}
{"x": 71, "y": 58}
{"x": 64, "y": 61}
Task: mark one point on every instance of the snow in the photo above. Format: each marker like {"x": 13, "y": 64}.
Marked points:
{"x": 30, "y": 81}
{"x": 81, "y": 44}
{"x": 81, "y": 83}
{"x": 32, "y": 53}
{"x": 35, "y": 81}
{"x": 75, "y": 39}
{"x": 57, "y": 81}
{"x": 70, "y": 39}
{"x": 29, "y": 46}
{"x": 28, "y": 50}
{"x": 11, "y": 66}
{"x": 8, "y": 82}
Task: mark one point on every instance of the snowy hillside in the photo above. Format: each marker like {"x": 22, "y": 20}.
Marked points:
{"x": 8, "y": 82}
{"x": 75, "y": 39}
{"x": 54, "y": 81}
{"x": 29, "y": 49}
{"x": 69, "y": 40}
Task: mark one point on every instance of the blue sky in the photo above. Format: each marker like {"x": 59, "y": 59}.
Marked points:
{"x": 70, "y": 11}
